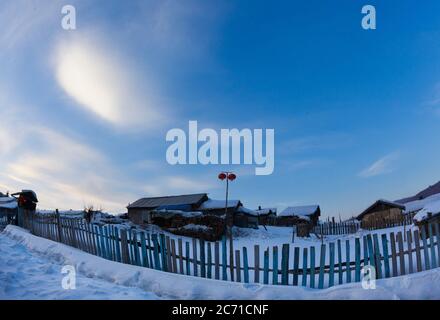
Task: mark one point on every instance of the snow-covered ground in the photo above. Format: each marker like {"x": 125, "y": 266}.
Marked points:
{"x": 30, "y": 268}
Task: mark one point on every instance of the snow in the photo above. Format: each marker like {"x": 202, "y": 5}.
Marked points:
{"x": 265, "y": 211}
{"x": 298, "y": 211}
{"x": 170, "y": 213}
{"x": 417, "y": 205}
{"x": 30, "y": 268}
{"x": 8, "y": 202}
{"x": 211, "y": 204}
{"x": 196, "y": 227}
{"x": 247, "y": 211}
{"x": 431, "y": 209}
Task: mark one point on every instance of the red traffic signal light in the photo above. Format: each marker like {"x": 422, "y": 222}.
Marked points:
{"x": 232, "y": 176}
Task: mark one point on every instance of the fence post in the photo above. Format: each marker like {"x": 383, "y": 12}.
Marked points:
{"x": 340, "y": 274}
{"x": 284, "y": 264}
{"x": 59, "y": 228}
{"x": 245, "y": 266}
{"x": 257, "y": 263}
{"x": 304, "y": 268}
{"x": 386, "y": 257}
{"x": 295, "y": 265}
{"x": 266, "y": 267}
{"x": 321, "y": 267}
{"x": 347, "y": 260}
{"x": 275, "y": 265}
{"x": 331, "y": 281}
{"x": 312, "y": 267}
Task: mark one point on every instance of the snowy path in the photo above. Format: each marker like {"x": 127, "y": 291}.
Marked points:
{"x": 30, "y": 268}
{"x": 25, "y": 275}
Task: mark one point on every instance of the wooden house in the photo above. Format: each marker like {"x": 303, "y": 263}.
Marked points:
{"x": 381, "y": 212}
{"x": 300, "y": 214}
{"x": 140, "y": 211}
{"x": 266, "y": 216}
{"x": 8, "y": 209}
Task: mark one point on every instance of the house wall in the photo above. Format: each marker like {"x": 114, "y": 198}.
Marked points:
{"x": 387, "y": 215}
{"x": 138, "y": 216}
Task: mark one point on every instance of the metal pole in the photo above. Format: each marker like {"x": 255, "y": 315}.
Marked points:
{"x": 229, "y": 223}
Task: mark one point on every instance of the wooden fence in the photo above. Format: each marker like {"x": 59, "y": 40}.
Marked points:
{"x": 336, "y": 228}
{"x": 382, "y": 223}
{"x": 315, "y": 267}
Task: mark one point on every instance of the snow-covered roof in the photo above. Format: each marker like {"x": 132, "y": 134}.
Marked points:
{"x": 431, "y": 209}
{"x": 8, "y": 203}
{"x": 299, "y": 211}
{"x": 247, "y": 211}
{"x": 212, "y": 204}
{"x": 416, "y": 205}
{"x": 265, "y": 211}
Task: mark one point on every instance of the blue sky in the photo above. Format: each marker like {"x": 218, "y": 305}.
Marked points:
{"x": 85, "y": 112}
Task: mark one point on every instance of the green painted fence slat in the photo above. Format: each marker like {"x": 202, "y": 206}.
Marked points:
{"x": 266, "y": 267}
{"x": 295, "y": 265}
{"x": 377, "y": 255}
{"x": 393, "y": 254}
{"x": 150, "y": 251}
{"x": 144, "y": 250}
{"x": 347, "y": 261}
{"x": 304, "y": 268}
{"x": 188, "y": 257}
{"x": 209, "y": 262}
{"x": 386, "y": 260}
{"x": 340, "y": 274}
{"x": 202, "y": 258}
{"x": 312, "y": 267}
{"x": 245, "y": 266}
{"x": 331, "y": 278}
{"x": 321, "y": 267}
{"x": 195, "y": 267}
{"x": 217, "y": 261}
{"x": 410, "y": 252}
{"x": 285, "y": 264}
{"x": 180, "y": 245}
{"x": 275, "y": 265}
{"x": 357, "y": 268}
{"x": 163, "y": 255}
{"x": 418, "y": 254}
{"x": 224, "y": 260}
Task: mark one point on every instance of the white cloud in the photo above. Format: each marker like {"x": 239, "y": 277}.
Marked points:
{"x": 381, "y": 166}
{"x": 105, "y": 84}
{"x": 167, "y": 185}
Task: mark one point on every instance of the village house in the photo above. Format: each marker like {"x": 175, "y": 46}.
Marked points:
{"x": 141, "y": 211}
{"x": 381, "y": 212}
{"x": 300, "y": 214}
{"x": 266, "y": 216}
{"x": 8, "y": 208}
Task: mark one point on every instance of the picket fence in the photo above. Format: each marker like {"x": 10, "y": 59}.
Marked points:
{"x": 340, "y": 228}
{"x": 390, "y": 254}
{"x": 336, "y": 228}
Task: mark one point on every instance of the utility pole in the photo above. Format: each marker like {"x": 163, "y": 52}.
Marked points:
{"x": 229, "y": 219}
